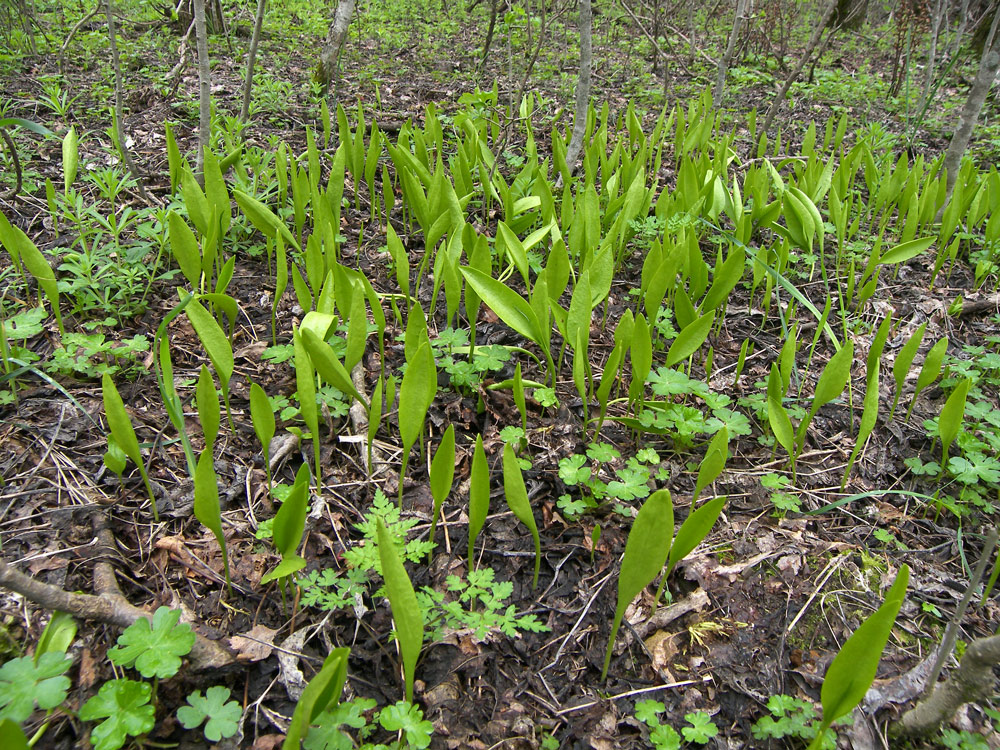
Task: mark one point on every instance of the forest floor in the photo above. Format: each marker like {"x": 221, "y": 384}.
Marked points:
{"x": 759, "y": 609}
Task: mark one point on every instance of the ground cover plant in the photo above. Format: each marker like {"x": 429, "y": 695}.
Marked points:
{"x": 382, "y": 419}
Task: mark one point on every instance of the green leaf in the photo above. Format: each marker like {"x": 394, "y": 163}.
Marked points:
{"x": 904, "y": 359}
{"x": 19, "y": 246}
{"x": 207, "y": 401}
{"x": 223, "y": 714}
{"x": 517, "y": 500}
{"x": 509, "y": 306}
{"x": 409, "y": 719}
{"x": 641, "y": 353}
{"x": 648, "y": 712}
{"x": 726, "y": 277}
{"x": 442, "y": 473}
{"x": 509, "y": 241}
{"x": 694, "y": 529}
{"x": 264, "y": 219}
{"x": 777, "y": 416}
{"x": 829, "y": 386}
{"x": 853, "y": 668}
{"x": 645, "y": 554}
{"x": 305, "y": 386}
{"x": 290, "y": 520}
{"x": 400, "y": 259}
{"x": 405, "y": 609}
{"x": 869, "y": 417}
{"x": 154, "y": 650}
{"x": 578, "y": 316}
{"x": 11, "y": 736}
{"x": 262, "y": 416}
{"x": 206, "y": 503}
{"x": 70, "y": 158}
{"x": 122, "y": 432}
{"x": 124, "y": 706}
{"x": 58, "y": 635}
{"x": 23, "y": 683}
{"x": 321, "y": 694}
{"x": 906, "y": 250}
{"x": 215, "y": 341}
{"x": 479, "y": 495}
{"x": 690, "y": 339}
{"x": 118, "y": 420}
{"x": 930, "y": 370}
{"x": 417, "y": 392}
{"x": 950, "y": 419}
{"x": 713, "y": 463}
{"x": 184, "y": 246}
{"x": 329, "y": 367}
{"x": 20, "y": 122}
{"x": 289, "y": 565}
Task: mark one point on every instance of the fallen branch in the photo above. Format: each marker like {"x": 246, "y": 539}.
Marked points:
{"x": 972, "y": 681}
{"x": 108, "y": 605}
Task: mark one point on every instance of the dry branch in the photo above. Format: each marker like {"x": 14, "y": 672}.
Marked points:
{"x": 973, "y": 680}
{"x": 108, "y": 605}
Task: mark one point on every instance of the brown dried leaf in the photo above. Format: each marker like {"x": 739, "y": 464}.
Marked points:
{"x": 255, "y": 645}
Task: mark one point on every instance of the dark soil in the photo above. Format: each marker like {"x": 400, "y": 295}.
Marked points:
{"x": 726, "y": 644}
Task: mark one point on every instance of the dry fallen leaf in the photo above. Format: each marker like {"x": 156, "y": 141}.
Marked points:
{"x": 255, "y": 645}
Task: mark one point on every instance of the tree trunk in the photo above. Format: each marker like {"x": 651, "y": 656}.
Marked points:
{"x": 973, "y": 680}
{"x": 850, "y": 14}
{"x": 258, "y": 22}
{"x": 489, "y": 33}
{"x": 329, "y": 57}
{"x": 204, "y": 88}
{"x": 810, "y": 47}
{"x": 727, "y": 58}
{"x": 936, "y": 21}
{"x": 119, "y": 116}
{"x": 988, "y": 66}
{"x": 963, "y": 19}
{"x": 582, "y": 86}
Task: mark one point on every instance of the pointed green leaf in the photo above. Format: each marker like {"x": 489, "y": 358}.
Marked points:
{"x": 209, "y": 413}
{"x": 206, "y": 502}
{"x": 406, "y": 611}
{"x": 645, "y": 554}
{"x": 321, "y": 694}
{"x": 906, "y": 250}
{"x": 479, "y": 494}
{"x": 290, "y": 520}
{"x": 694, "y": 529}
{"x": 517, "y": 500}
{"x": 853, "y": 668}
{"x": 416, "y": 392}
{"x": 184, "y": 246}
{"x": 690, "y": 339}
{"x": 509, "y": 306}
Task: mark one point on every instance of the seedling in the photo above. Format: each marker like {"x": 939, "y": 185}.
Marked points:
{"x": 645, "y": 553}
{"x": 125, "y": 707}
{"x": 154, "y": 648}
{"x": 405, "y": 610}
{"x": 123, "y": 434}
{"x": 517, "y": 500}
{"x": 442, "y": 474}
{"x": 25, "y": 684}
{"x": 289, "y": 526}
{"x": 479, "y": 496}
{"x": 220, "y": 715}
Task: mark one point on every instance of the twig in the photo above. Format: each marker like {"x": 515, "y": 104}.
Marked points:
{"x": 108, "y": 605}
{"x": 16, "y": 161}
{"x": 119, "y": 124}
{"x": 72, "y": 33}
{"x": 951, "y": 632}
